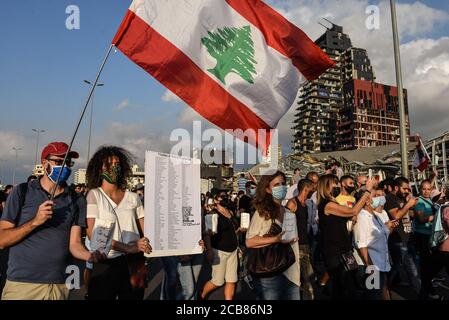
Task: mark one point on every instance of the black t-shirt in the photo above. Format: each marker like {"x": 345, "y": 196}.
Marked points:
{"x": 335, "y": 237}
{"x": 2, "y": 199}
{"x": 302, "y": 216}
{"x": 225, "y": 239}
{"x": 404, "y": 230}
{"x": 245, "y": 203}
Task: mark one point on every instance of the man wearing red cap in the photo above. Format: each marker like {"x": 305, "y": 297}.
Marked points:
{"x": 41, "y": 233}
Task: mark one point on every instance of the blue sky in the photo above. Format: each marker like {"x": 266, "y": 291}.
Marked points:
{"x": 43, "y": 64}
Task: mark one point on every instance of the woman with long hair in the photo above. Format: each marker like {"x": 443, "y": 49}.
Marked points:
{"x": 264, "y": 231}
{"x": 336, "y": 241}
{"x": 110, "y": 204}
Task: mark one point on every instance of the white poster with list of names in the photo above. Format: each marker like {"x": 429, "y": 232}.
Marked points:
{"x": 172, "y": 204}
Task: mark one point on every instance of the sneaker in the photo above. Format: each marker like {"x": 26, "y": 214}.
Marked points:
{"x": 436, "y": 297}
{"x": 438, "y": 280}
{"x": 323, "y": 289}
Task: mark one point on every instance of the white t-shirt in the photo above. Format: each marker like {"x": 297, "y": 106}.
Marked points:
{"x": 371, "y": 232}
{"x": 128, "y": 211}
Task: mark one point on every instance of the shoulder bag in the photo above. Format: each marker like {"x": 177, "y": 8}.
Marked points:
{"x": 272, "y": 260}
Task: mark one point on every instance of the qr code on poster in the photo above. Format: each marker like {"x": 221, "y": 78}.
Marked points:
{"x": 186, "y": 214}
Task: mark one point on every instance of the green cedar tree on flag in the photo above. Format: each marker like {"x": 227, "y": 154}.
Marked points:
{"x": 238, "y": 63}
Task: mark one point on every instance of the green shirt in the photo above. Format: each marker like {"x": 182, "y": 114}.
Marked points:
{"x": 423, "y": 206}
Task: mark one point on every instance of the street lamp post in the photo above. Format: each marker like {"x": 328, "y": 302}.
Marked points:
{"x": 38, "y": 132}
{"x": 15, "y": 165}
{"x": 1, "y": 171}
{"x": 402, "y": 115}
{"x": 91, "y": 119}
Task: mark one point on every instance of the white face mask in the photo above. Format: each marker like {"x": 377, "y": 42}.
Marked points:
{"x": 233, "y": 197}
{"x": 378, "y": 202}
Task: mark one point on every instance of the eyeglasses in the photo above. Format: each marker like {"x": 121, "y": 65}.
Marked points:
{"x": 69, "y": 163}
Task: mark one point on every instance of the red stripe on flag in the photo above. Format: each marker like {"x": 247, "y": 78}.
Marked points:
{"x": 423, "y": 166}
{"x": 285, "y": 37}
{"x": 176, "y": 71}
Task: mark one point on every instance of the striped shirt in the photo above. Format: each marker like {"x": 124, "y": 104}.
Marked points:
{"x": 242, "y": 184}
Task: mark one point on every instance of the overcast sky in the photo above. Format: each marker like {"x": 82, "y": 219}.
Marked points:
{"x": 43, "y": 65}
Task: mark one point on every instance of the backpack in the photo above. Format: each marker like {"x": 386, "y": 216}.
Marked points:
{"x": 4, "y": 254}
{"x": 23, "y": 190}
{"x": 439, "y": 234}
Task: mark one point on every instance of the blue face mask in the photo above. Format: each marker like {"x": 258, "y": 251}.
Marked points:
{"x": 252, "y": 192}
{"x": 279, "y": 192}
{"x": 378, "y": 202}
{"x": 53, "y": 176}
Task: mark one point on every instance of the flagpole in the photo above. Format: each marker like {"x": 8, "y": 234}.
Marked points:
{"x": 402, "y": 115}
{"x": 414, "y": 180}
{"x": 94, "y": 85}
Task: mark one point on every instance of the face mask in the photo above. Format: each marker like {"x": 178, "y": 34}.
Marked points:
{"x": 233, "y": 197}
{"x": 350, "y": 189}
{"x": 378, "y": 202}
{"x": 335, "y": 192}
{"x": 113, "y": 176}
{"x": 279, "y": 192}
{"x": 53, "y": 175}
{"x": 225, "y": 202}
{"x": 252, "y": 192}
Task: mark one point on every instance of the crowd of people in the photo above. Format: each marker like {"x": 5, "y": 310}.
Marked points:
{"x": 357, "y": 237}
{"x": 354, "y": 237}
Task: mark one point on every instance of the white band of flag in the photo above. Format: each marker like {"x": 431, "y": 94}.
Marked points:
{"x": 237, "y": 63}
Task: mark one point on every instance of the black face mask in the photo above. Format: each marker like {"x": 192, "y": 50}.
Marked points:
{"x": 335, "y": 192}
{"x": 350, "y": 189}
{"x": 225, "y": 202}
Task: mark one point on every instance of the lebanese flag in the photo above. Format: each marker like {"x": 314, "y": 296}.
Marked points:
{"x": 421, "y": 158}
{"x": 238, "y": 63}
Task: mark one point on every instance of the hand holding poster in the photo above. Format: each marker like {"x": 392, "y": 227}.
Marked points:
{"x": 173, "y": 204}
{"x": 102, "y": 236}
{"x": 289, "y": 226}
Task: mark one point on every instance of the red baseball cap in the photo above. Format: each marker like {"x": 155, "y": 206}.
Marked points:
{"x": 58, "y": 149}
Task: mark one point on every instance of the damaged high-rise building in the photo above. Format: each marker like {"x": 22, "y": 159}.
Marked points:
{"x": 345, "y": 108}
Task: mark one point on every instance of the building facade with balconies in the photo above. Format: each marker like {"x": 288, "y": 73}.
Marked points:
{"x": 345, "y": 108}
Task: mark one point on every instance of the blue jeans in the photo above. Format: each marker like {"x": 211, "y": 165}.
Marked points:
{"x": 401, "y": 255}
{"x": 189, "y": 272}
{"x": 276, "y": 288}
{"x": 170, "y": 280}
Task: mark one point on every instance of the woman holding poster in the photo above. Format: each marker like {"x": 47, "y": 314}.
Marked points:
{"x": 115, "y": 222}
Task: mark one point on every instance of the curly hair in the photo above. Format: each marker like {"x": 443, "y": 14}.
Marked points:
{"x": 264, "y": 202}
{"x": 100, "y": 159}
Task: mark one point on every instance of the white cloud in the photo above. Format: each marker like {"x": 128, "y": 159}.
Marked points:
{"x": 25, "y": 159}
{"x": 122, "y": 105}
{"x": 170, "y": 97}
{"x": 135, "y": 138}
{"x": 188, "y": 115}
